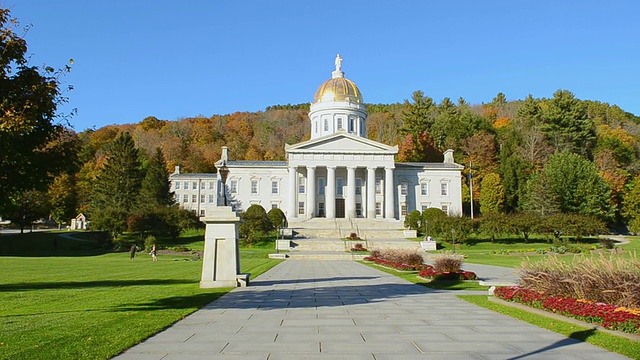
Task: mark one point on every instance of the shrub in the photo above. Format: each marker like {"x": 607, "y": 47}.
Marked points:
{"x": 148, "y": 242}
{"x": 375, "y": 253}
{"x": 353, "y": 236}
{"x": 611, "y": 280}
{"x": 607, "y": 243}
{"x": 432, "y": 221}
{"x": 401, "y": 256}
{"x": 254, "y": 222}
{"x": 412, "y": 221}
{"x": 448, "y": 262}
{"x": 277, "y": 219}
{"x": 358, "y": 247}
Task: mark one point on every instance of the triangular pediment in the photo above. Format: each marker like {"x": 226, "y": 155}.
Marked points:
{"x": 341, "y": 142}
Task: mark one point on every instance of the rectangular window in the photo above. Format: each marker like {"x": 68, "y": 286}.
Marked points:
{"x": 203, "y": 185}
{"x": 352, "y": 125}
{"x": 301, "y": 208}
{"x": 404, "y": 188}
{"x": 424, "y": 207}
{"x": 424, "y": 188}
{"x": 326, "y": 125}
{"x": 177, "y": 198}
{"x": 212, "y": 185}
{"x": 201, "y": 212}
{"x": 254, "y": 186}
{"x": 358, "y": 186}
{"x": 316, "y": 127}
{"x": 177, "y": 185}
{"x": 274, "y": 205}
{"x": 212, "y": 198}
{"x": 378, "y": 209}
{"x": 445, "y": 208}
{"x": 233, "y": 188}
{"x": 194, "y": 198}
{"x": 194, "y": 185}
{"x": 378, "y": 185}
{"x": 339, "y": 186}
{"x": 274, "y": 187}
{"x": 186, "y": 185}
{"x": 321, "y": 186}
{"x": 321, "y": 210}
{"x": 202, "y": 198}
{"x": 339, "y": 123}
{"x": 185, "y": 198}
{"x": 403, "y": 209}
{"x": 444, "y": 189}
{"x": 301, "y": 184}
{"x": 358, "y": 209}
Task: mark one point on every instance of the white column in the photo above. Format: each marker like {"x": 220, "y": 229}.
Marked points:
{"x": 371, "y": 192}
{"x": 351, "y": 191}
{"x": 389, "y": 211}
{"x": 293, "y": 191}
{"x": 311, "y": 191}
{"x": 330, "y": 202}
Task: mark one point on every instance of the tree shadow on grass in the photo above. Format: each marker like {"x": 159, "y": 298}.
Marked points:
{"x": 89, "y": 284}
{"x": 196, "y": 301}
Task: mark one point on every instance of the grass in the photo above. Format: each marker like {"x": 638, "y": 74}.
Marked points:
{"x": 479, "y": 251}
{"x": 91, "y": 304}
{"x": 412, "y": 276}
{"x": 604, "y": 340}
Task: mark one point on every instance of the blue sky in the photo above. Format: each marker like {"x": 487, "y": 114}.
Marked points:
{"x": 176, "y": 59}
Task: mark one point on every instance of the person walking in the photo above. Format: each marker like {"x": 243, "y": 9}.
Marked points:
{"x": 153, "y": 253}
{"x": 132, "y": 252}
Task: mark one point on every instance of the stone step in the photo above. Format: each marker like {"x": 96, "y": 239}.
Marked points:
{"x": 324, "y": 255}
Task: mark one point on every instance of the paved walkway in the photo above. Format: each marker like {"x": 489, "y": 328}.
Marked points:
{"x": 314, "y": 309}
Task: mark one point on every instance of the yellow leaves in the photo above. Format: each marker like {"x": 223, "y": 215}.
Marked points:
{"x": 501, "y": 123}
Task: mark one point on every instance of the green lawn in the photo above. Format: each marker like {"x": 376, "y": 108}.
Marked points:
{"x": 602, "y": 339}
{"x": 481, "y": 252}
{"x": 91, "y": 304}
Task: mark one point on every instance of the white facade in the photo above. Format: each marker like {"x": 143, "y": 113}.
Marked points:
{"x": 195, "y": 192}
{"x": 338, "y": 172}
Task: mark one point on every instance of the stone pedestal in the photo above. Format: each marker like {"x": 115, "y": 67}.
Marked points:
{"x": 221, "y": 260}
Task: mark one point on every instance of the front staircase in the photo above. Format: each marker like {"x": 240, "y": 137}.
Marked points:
{"x": 320, "y": 238}
{"x": 369, "y": 229}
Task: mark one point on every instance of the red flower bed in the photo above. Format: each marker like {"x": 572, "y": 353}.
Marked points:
{"x": 609, "y": 316}
{"x": 439, "y": 275}
{"x": 398, "y": 266}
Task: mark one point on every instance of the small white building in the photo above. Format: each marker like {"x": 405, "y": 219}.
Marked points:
{"x": 338, "y": 173}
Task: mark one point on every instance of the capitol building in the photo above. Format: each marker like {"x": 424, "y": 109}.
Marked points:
{"x": 337, "y": 173}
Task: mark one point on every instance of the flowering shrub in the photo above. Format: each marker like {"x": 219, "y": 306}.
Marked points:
{"x": 396, "y": 265}
{"x": 446, "y": 275}
{"x": 609, "y": 316}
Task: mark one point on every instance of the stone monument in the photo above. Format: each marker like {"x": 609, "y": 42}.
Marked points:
{"x": 221, "y": 260}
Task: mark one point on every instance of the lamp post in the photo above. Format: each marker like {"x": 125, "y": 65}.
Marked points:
{"x": 224, "y": 172}
{"x": 471, "y": 186}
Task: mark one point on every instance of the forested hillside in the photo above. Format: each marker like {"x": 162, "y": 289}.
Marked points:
{"x": 557, "y": 154}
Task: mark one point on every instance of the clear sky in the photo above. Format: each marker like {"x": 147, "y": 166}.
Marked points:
{"x": 176, "y": 59}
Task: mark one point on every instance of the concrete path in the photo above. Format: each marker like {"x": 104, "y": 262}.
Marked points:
{"x": 313, "y": 309}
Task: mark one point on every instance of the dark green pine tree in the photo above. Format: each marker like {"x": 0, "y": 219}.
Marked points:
{"x": 117, "y": 186}
{"x": 156, "y": 188}
{"x": 417, "y": 116}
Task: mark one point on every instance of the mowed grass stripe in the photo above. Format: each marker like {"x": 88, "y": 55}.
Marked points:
{"x": 97, "y": 306}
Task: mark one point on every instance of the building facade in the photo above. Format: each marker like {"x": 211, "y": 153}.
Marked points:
{"x": 337, "y": 173}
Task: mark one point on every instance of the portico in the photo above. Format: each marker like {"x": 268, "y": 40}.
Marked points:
{"x": 321, "y": 191}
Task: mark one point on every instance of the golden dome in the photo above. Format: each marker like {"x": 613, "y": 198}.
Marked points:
{"x": 338, "y": 89}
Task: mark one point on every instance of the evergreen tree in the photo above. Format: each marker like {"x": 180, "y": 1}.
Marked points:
{"x": 417, "y": 116}
{"x": 117, "y": 186}
{"x": 631, "y": 205}
{"x": 156, "y": 188}
{"x": 567, "y": 124}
